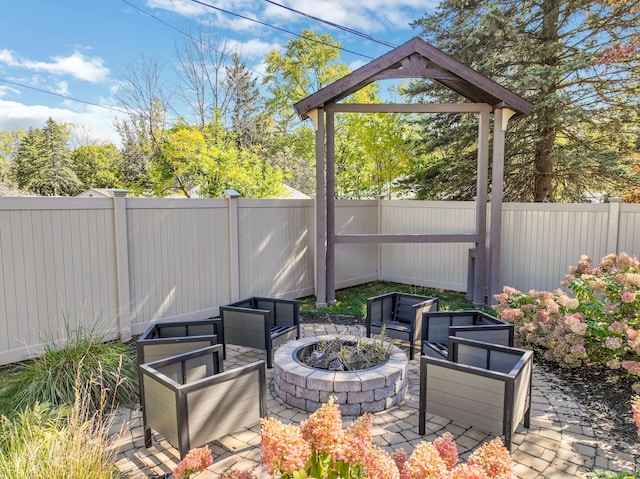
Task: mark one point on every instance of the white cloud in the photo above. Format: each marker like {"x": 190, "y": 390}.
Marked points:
{"x": 90, "y": 69}
{"x": 62, "y": 88}
{"x": 97, "y": 120}
{"x": 253, "y": 48}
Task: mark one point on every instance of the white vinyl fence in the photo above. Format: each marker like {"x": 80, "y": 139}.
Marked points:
{"x": 118, "y": 264}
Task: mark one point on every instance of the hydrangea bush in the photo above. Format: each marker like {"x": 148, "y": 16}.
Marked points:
{"x": 595, "y": 321}
{"x": 321, "y": 448}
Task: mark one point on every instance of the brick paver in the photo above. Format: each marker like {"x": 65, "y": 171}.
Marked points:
{"x": 560, "y": 443}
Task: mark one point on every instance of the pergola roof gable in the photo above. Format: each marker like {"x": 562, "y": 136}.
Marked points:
{"x": 418, "y": 59}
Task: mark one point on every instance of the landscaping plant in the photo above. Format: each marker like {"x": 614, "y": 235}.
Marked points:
{"x": 70, "y": 441}
{"x": 105, "y": 367}
{"x": 321, "y": 448}
{"x": 596, "y": 322}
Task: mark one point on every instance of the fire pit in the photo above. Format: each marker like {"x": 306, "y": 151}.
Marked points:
{"x": 357, "y": 392}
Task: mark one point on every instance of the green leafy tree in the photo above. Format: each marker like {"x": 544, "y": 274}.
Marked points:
{"x": 98, "y": 166}
{"x": 364, "y": 165}
{"x": 43, "y": 162}
{"x": 193, "y": 162}
{"x": 308, "y": 64}
{"x": 9, "y": 142}
{"x": 581, "y": 130}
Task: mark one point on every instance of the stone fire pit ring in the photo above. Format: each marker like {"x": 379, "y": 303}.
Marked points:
{"x": 357, "y": 392}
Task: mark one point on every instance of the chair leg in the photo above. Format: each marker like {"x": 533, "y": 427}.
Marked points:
{"x": 147, "y": 437}
{"x": 269, "y": 358}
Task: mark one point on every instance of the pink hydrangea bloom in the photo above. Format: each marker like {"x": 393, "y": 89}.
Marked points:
{"x": 283, "y": 448}
{"x": 378, "y": 464}
{"x": 196, "y": 460}
{"x": 633, "y": 367}
{"x": 635, "y": 408}
{"x": 613, "y": 343}
{"x": 511, "y": 314}
{"x": 468, "y": 471}
{"x": 425, "y": 463}
{"x": 399, "y": 456}
{"x": 239, "y": 474}
{"x": 614, "y": 364}
{"x": 494, "y": 458}
{"x": 631, "y": 280}
{"x": 323, "y": 429}
{"x": 617, "y": 327}
{"x": 628, "y": 297}
{"x": 447, "y": 449}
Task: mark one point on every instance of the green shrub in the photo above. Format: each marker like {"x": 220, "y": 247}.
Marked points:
{"x": 86, "y": 359}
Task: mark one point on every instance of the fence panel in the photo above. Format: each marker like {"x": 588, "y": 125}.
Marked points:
{"x": 182, "y": 259}
{"x": 276, "y": 248}
{"x": 57, "y": 272}
{"x": 629, "y": 229}
{"x": 178, "y": 258}
{"x": 540, "y": 241}
{"x": 356, "y": 263}
{"x": 431, "y": 264}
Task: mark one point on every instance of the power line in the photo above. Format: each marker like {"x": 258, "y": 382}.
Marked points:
{"x": 279, "y": 29}
{"x": 201, "y": 42}
{"x": 335, "y": 25}
{"x": 61, "y": 96}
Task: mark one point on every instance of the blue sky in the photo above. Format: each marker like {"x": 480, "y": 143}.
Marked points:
{"x": 82, "y": 48}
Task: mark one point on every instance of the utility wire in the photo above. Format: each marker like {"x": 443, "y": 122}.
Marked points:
{"x": 201, "y": 42}
{"x": 278, "y": 28}
{"x": 335, "y": 25}
{"x": 62, "y": 96}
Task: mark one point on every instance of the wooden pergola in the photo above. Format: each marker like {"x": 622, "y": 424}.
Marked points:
{"x": 415, "y": 59}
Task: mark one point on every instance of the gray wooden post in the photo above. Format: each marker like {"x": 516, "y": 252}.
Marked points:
{"x": 500, "y": 119}
{"x": 331, "y": 213}
{"x": 321, "y": 213}
{"x": 480, "y": 253}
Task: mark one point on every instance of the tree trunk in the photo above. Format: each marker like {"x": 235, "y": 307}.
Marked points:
{"x": 549, "y": 35}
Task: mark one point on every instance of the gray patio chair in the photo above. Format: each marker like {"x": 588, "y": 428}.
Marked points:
{"x": 190, "y": 400}
{"x": 261, "y": 323}
{"x": 483, "y": 385}
{"x": 400, "y": 314}
{"x": 438, "y": 327}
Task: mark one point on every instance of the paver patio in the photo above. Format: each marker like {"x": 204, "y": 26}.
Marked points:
{"x": 559, "y": 444}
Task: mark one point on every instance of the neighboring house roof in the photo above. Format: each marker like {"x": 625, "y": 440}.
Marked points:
{"x": 97, "y": 193}
{"x": 418, "y": 59}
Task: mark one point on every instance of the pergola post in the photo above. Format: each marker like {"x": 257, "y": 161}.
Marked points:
{"x": 331, "y": 214}
{"x": 500, "y": 119}
{"x": 321, "y": 211}
{"x": 480, "y": 254}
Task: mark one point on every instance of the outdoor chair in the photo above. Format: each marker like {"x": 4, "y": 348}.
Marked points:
{"x": 400, "y": 315}
{"x": 191, "y": 401}
{"x": 438, "y": 327}
{"x": 261, "y": 323}
{"x": 169, "y": 338}
{"x": 480, "y": 384}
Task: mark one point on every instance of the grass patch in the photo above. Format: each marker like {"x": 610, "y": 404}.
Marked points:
{"x": 354, "y": 300}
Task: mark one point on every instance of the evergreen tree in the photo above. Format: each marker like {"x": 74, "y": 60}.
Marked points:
{"x": 43, "y": 162}
{"x": 249, "y": 122}
{"x": 582, "y": 127}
